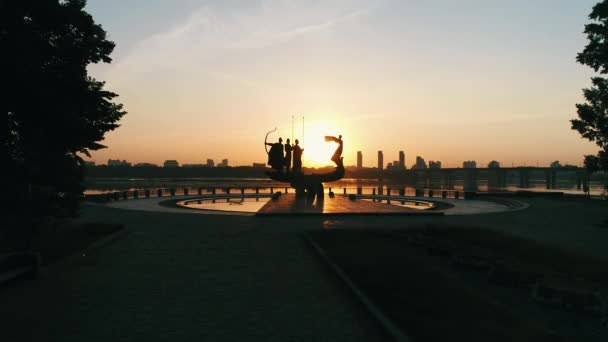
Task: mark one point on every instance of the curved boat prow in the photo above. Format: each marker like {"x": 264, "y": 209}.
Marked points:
{"x": 311, "y": 184}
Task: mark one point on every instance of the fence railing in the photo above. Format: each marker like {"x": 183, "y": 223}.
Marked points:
{"x": 367, "y": 192}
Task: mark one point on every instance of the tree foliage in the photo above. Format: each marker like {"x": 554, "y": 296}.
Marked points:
{"x": 55, "y": 110}
{"x": 592, "y": 121}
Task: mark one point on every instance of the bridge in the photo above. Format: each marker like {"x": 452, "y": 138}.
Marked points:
{"x": 496, "y": 178}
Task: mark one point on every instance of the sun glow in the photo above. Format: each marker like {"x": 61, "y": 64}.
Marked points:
{"x": 317, "y": 152}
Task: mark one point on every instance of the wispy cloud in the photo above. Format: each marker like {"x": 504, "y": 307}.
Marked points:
{"x": 315, "y": 27}
{"x": 209, "y": 36}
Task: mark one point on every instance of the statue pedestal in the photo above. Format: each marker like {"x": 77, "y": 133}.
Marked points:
{"x": 309, "y": 185}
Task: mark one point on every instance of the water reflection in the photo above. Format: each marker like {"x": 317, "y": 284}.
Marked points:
{"x": 243, "y": 205}
{"x": 418, "y": 205}
{"x": 565, "y": 183}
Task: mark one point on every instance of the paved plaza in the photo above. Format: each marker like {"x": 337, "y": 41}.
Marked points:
{"x": 189, "y": 277}
{"x": 177, "y": 276}
{"x": 338, "y": 205}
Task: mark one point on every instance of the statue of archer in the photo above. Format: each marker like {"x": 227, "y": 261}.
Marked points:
{"x": 276, "y": 160}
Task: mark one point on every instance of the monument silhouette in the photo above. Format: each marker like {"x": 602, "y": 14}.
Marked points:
{"x": 306, "y": 185}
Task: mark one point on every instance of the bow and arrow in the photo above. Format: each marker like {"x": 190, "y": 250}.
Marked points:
{"x": 266, "y": 139}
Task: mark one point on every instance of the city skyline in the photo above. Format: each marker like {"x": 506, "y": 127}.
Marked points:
{"x": 397, "y": 164}
{"x": 419, "y": 161}
{"x": 213, "y": 79}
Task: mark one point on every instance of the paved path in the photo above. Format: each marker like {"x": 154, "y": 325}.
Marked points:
{"x": 189, "y": 277}
{"x": 576, "y": 225}
{"x": 239, "y": 278}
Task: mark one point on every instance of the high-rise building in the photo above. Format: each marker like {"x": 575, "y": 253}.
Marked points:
{"x": 420, "y": 163}
{"x": 380, "y": 160}
{"x": 224, "y": 163}
{"x": 359, "y": 160}
{"x": 401, "y": 160}
{"x": 210, "y": 163}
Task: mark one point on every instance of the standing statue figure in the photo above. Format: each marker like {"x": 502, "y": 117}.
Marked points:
{"x": 337, "y": 157}
{"x": 310, "y": 185}
{"x": 297, "y": 157}
{"x": 275, "y": 156}
{"x": 288, "y": 149}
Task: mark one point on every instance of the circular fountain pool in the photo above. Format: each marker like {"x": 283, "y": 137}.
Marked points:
{"x": 234, "y": 204}
{"x": 407, "y": 203}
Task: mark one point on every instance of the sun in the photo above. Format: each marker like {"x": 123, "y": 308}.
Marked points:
{"x": 317, "y": 152}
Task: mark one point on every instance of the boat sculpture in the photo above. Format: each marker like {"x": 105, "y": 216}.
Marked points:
{"x": 310, "y": 185}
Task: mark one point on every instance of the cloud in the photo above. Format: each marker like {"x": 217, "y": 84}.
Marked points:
{"x": 322, "y": 26}
{"x": 211, "y": 35}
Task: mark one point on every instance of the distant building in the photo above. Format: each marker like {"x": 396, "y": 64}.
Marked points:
{"x": 259, "y": 165}
{"x": 380, "y": 160}
{"x": 193, "y": 165}
{"x": 359, "y": 160}
{"x": 145, "y": 165}
{"x": 556, "y": 164}
{"x": 118, "y": 162}
{"x": 224, "y": 163}
{"x": 493, "y": 164}
{"x": 171, "y": 163}
{"x": 469, "y": 164}
{"x": 420, "y": 164}
{"x": 210, "y": 163}
{"x": 401, "y": 160}
{"x": 89, "y": 163}
{"x": 389, "y": 166}
{"x": 434, "y": 164}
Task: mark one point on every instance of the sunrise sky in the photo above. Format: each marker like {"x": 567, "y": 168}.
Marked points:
{"x": 446, "y": 80}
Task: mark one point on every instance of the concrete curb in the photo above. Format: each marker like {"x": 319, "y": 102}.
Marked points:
{"x": 384, "y": 321}
{"x": 339, "y": 214}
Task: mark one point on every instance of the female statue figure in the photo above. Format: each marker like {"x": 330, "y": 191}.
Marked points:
{"x": 337, "y": 157}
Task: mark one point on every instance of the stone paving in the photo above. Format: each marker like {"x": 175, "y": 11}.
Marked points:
{"x": 152, "y": 204}
{"x": 189, "y": 277}
{"x": 228, "y": 278}
{"x": 459, "y": 207}
{"x": 339, "y": 205}
{"x": 577, "y": 225}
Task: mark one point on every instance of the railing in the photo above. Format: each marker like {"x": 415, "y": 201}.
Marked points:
{"x": 405, "y": 191}
{"x": 366, "y": 192}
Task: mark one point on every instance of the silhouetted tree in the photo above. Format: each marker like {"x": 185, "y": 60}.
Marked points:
{"x": 592, "y": 121}
{"x": 55, "y": 111}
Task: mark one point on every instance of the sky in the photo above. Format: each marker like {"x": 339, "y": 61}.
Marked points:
{"x": 446, "y": 80}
